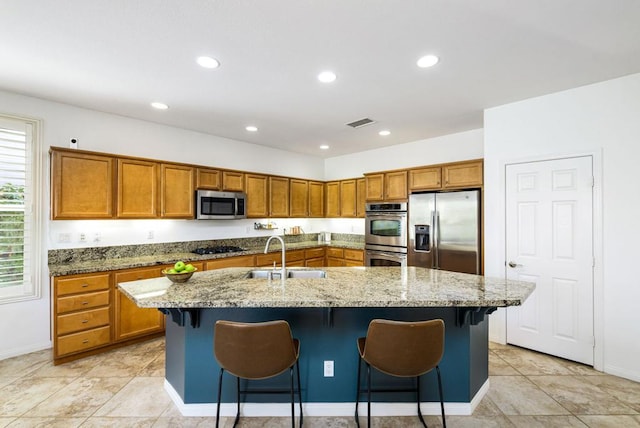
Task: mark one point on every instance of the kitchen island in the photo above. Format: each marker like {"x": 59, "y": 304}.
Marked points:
{"x": 327, "y": 315}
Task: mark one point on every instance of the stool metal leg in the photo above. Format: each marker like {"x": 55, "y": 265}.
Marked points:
{"x": 418, "y": 401}
{"x": 299, "y": 390}
{"x": 238, "y": 399}
{"x": 293, "y": 409}
{"x": 219, "y": 395}
{"x": 358, "y": 391}
{"x": 444, "y": 422}
{"x": 368, "y": 395}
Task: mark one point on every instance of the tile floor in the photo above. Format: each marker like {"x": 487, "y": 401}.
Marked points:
{"x": 124, "y": 388}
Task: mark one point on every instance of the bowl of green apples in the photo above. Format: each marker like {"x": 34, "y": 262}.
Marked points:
{"x": 180, "y": 272}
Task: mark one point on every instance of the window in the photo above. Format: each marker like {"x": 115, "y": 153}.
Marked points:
{"x": 19, "y": 213}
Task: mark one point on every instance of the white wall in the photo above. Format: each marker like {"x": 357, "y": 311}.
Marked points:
{"x": 449, "y": 148}
{"x": 601, "y": 117}
{"x": 25, "y": 326}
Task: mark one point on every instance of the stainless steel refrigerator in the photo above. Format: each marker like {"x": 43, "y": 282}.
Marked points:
{"x": 444, "y": 231}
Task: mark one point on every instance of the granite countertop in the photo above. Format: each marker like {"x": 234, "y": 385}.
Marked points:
{"x": 115, "y": 260}
{"x": 343, "y": 287}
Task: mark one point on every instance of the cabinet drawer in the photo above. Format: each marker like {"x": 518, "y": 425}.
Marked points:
{"x": 268, "y": 259}
{"x": 82, "y": 301}
{"x": 138, "y": 274}
{"x": 84, "y": 340}
{"x": 81, "y": 284}
{"x": 335, "y": 252}
{"x": 82, "y": 320}
{"x": 313, "y": 253}
{"x": 237, "y": 261}
{"x": 356, "y": 255}
{"x": 294, "y": 255}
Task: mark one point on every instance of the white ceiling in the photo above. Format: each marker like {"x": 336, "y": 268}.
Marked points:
{"x": 119, "y": 55}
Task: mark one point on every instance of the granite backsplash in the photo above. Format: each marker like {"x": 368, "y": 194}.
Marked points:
{"x": 74, "y": 255}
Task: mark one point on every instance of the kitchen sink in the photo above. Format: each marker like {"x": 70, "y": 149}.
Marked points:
{"x": 306, "y": 274}
{"x": 263, "y": 274}
{"x": 268, "y": 273}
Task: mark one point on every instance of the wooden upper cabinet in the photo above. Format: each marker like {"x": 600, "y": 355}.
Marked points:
{"x": 299, "y": 198}
{"x": 424, "y": 178}
{"x": 278, "y": 197}
{"x": 333, "y": 199}
{"x": 316, "y": 199}
{"x": 395, "y": 185}
{"x": 137, "y": 189}
{"x": 257, "y": 201}
{"x": 348, "y": 198}
{"x": 463, "y": 174}
{"x": 360, "y": 197}
{"x": 82, "y": 185}
{"x": 208, "y": 179}
{"x": 233, "y": 181}
{"x": 374, "y": 187}
{"x": 386, "y": 186}
{"x": 177, "y": 191}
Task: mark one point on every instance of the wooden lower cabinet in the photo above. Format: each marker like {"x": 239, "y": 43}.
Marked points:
{"x": 130, "y": 320}
{"x": 341, "y": 257}
{"x": 314, "y": 257}
{"x": 292, "y": 258}
{"x": 81, "y": 313}
{"x": 353, "y": 257}
{"x": 236, "y": 261}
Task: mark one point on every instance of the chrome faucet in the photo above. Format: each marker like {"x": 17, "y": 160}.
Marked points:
{"x": 283, "y": 270}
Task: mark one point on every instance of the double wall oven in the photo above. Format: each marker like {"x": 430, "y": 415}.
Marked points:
{"x": 386, "y": 234}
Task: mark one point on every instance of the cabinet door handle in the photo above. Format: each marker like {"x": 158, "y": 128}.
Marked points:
{"x": 84, "y": 321}
{"x": 85, "y": 303}
{"x": 85, "y": 285}
{"x": 85, "y": 341}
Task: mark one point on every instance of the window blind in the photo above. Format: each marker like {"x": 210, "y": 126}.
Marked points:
{"x": 16, "y": 215}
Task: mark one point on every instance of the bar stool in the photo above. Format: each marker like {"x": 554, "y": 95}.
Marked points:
{"x": 401, "y": 349}
{"x": 256, "y": 351}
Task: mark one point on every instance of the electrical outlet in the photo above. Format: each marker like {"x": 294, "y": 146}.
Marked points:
{"x": 97, "y": 237}
{"x": 328, "y": 368}
{"x": 151, "y": 234}
{"x": 64, "y": 238}
{"x": 82, "y": 237}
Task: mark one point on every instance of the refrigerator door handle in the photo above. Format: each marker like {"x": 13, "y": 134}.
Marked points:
{"x": 434, "y": 239}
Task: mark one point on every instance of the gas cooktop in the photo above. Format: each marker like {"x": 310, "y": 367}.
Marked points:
{"x": 218, "y": 249}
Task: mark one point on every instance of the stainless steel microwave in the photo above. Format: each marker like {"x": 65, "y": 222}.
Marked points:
{"x": 214, "y": 205}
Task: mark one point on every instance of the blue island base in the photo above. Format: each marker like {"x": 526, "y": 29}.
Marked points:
{"x": 326, "y": 334}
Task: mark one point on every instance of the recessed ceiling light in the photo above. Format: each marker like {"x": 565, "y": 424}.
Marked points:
{"x": 384, "y": 132}
{"x": 324, "y": 147}
{"x": 327, "y": 76}
{"x": 428, "y": 61}
{"x": 208, "y": 62}
{"x": 159, "y": 106}
{"x": 251, "y": 128}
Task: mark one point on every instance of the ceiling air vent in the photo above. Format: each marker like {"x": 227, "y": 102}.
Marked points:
{"x": 360, "y": 123}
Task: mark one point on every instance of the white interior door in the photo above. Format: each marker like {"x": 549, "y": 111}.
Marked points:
{"x": 549, "y": 241}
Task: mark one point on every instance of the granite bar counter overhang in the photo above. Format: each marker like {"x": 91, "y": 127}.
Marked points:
{"x": 328, "y": 315}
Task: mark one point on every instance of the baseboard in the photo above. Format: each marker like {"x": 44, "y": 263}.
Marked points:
{"x": 15, "y": 352}
{"x": 627, "y": 374}
{"x": 325, "y": 409}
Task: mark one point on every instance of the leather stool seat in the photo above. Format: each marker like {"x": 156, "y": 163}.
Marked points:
{"x": 256, "y": 351}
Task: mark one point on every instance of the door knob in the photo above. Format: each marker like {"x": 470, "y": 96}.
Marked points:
{"x": 513, "y": 264}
